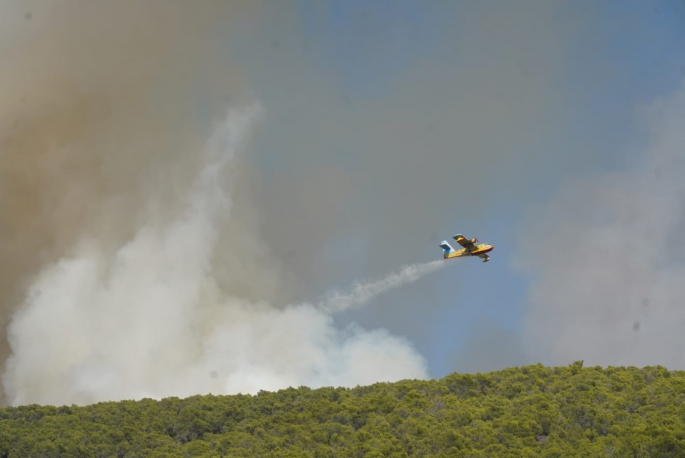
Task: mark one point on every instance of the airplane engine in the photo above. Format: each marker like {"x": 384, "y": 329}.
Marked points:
{"x": 474, "y": 240}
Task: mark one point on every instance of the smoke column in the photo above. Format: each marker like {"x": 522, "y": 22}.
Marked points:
{"x": 100, "y": 128}
{"x": 362, "y": 293}
{"x": 151, "y": 320}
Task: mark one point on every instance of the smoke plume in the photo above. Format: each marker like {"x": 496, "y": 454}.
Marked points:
{"x": 364, "y": 292}
{"x": 98, "y": 113}
{"x": 607, "y": 261}
{"x": 132, "y": 260}
{"x": 105, "y": 108}
{"x": 152, "y": 320}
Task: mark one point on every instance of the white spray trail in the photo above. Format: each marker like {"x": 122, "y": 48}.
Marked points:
{"x": 364, "y": 292}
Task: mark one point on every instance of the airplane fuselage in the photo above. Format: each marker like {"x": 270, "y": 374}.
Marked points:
{"x": 478, "y": 249}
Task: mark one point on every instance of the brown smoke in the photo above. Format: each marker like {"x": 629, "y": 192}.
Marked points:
{"x": 98, "y": 103}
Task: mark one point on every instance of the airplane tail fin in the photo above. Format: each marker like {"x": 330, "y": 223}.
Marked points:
{"x": 446, "y": 248}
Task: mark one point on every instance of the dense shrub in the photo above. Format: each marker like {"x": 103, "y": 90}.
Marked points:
{"x": 519, "y": 412}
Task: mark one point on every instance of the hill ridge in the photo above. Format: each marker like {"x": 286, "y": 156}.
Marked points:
{"x": 521, "y": 411}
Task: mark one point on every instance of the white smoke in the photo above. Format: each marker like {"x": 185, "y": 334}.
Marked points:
{"x": 152, "y": 321}
{"x": 364, "y": 292}
{"x": 607, "y": 260}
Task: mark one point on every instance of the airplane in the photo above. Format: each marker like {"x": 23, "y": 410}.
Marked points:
{"x": 470, "y": 248}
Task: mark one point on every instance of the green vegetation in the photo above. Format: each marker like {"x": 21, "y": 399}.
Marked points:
{"x": 520, "y": 412}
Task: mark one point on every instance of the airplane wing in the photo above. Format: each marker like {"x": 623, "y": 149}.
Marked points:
{"x": 463, "y": 241}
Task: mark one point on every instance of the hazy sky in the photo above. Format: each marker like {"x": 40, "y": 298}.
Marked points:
{"x": 550, "y": 129}
{"x": 395, "y": 125}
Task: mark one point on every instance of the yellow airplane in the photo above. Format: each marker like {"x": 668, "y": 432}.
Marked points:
{"x": 470, "y": 248}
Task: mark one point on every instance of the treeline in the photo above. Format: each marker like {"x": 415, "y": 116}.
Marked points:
{"x": 532, "y": 411}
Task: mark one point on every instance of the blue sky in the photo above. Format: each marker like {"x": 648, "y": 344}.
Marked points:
{"x": 643, "y": 56}
{"x": 350, "y": 87}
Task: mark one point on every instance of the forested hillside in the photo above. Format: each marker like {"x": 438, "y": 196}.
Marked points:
{"x": 518, "y": 412}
